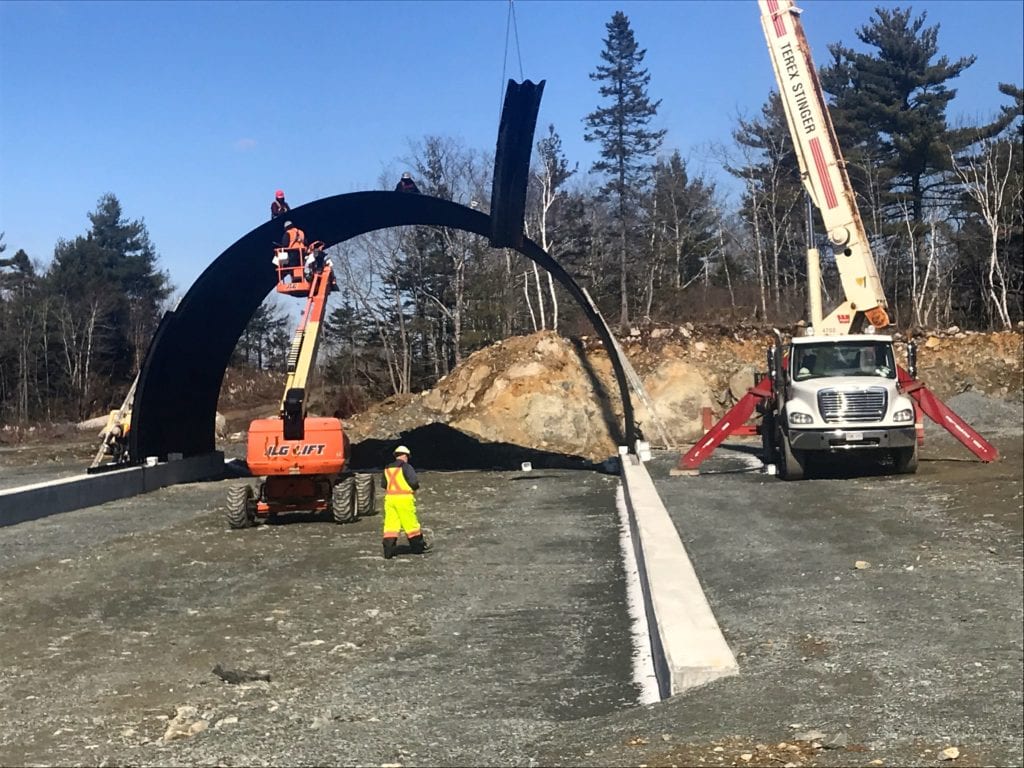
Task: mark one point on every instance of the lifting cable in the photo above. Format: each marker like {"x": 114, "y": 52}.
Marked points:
{"x": 511, "y": 28}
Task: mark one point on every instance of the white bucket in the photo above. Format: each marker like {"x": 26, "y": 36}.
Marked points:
{"x": 526, "y": 466}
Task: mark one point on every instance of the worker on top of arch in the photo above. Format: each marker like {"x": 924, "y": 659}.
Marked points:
{"x": 280, "y": 206}
{"x": 406, "y": 184}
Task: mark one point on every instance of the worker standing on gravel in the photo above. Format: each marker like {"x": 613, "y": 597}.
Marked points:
{"x": 400, "y": 485}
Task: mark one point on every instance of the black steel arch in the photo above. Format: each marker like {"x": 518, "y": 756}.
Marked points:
{"x": 175, "y": 404}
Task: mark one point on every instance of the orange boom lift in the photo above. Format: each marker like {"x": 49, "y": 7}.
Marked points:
{"x": 303, "y": 460}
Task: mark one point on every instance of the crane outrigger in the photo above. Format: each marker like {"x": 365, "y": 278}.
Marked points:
{"x": 837, "y": 388}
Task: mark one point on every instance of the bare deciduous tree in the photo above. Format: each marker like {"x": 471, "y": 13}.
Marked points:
{"x": 986, "y": 176}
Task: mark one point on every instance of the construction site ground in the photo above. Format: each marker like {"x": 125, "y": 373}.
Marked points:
{"x": 880, "y": 616}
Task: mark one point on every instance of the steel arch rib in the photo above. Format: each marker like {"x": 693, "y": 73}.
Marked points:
{"x": 175, "y": 402}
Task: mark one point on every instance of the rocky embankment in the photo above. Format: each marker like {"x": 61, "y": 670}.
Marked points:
{"x": 550, "y": 393}
{"x": 547, "y": 393}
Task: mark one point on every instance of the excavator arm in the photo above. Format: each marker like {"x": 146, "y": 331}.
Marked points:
{"x": 824, "y": 176}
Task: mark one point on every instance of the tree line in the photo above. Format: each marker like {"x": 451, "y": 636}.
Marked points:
{"x": 650, "y": 241}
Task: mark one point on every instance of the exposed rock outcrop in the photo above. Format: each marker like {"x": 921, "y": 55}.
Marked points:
{"x": 550, "y": 393}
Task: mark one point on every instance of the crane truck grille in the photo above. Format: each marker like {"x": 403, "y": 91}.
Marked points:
{"x": 856, "y": 405}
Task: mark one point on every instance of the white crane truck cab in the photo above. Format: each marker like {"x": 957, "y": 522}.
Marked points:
{"x": 840, "y": 394}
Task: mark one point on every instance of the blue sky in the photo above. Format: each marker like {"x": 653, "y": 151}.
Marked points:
{"x": 193, "y": 113}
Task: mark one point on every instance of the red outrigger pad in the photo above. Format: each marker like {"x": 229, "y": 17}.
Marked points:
{"x": 934, "y": 408}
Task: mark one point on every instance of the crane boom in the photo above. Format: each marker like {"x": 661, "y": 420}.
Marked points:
{"x": 823, "y": 173}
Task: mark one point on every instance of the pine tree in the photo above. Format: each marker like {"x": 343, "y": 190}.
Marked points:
{"x": 108, "y": 293}
{"x": 889, "y": 106}
{"x": 264, "y": 343}
{"x": 628, "y": 144}
{"x": 686, "y": 217}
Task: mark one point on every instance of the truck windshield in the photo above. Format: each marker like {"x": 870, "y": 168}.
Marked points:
{"x": 849, "y": 358}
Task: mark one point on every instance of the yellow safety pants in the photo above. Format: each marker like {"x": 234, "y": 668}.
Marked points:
{"x": 400, "y": 515}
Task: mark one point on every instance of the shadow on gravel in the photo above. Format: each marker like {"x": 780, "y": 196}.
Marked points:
{"x": 750, "y": 450}
{"x": 288, "y": 518}
{"x": 849, "y": 465}
{"x": 440, "y": 447}
{"x": 531, "y": 477}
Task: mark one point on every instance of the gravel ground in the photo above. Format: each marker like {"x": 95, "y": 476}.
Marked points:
{"x": 113, "y": 617}
{"x": 510, "y": 643}
{"x": 917, "y": 649}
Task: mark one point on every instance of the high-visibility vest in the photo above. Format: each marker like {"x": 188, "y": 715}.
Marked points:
{"x": 296, "y": 238}
{"x": 397, "y": 485}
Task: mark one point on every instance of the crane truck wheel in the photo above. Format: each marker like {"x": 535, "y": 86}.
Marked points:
{"x": 365, "y": 492}
{"x": 905, "y": 460}
{"x": 343, "y": 500}
{"x": 241, "y": 510}
{"x": 791, "y": 461}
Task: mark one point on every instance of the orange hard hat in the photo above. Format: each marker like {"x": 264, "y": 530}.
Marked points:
{"x": 279, "y": 193}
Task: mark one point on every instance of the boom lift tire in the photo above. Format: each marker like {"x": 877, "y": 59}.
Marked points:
{"x": 241, "y": 510}
{"x": 792, "y": 461}
{"x": 365, "y": 494}
{"x": 343, "y": 500}
{"x": 905, "y": 460}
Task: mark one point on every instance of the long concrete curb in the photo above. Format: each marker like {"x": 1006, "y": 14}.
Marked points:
{"x": 31, "y": 502}
{"x": 686, "y": 643}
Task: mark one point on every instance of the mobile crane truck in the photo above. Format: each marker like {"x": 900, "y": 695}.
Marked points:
{"x": 303, "y": 459}
{"x": 838, "y": 388}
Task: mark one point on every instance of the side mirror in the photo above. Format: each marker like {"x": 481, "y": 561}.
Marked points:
{"x": 772, "y": 365}
{"x": 912, "y": 359}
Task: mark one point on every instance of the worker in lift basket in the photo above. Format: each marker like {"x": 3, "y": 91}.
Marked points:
{"x": 400, "y": 485}
{"x": 295, "y": 241}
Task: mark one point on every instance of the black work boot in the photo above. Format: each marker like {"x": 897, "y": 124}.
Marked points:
{"x": 389, "y": 548}
{"x": 418, "y": 545}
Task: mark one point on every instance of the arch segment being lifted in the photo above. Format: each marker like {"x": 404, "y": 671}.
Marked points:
{"x": 174, "y": 409}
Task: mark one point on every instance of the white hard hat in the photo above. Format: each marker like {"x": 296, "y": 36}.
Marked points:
{"x": 401, "y": 449}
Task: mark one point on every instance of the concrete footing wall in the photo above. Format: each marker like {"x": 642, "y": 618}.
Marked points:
{"x": 686, "y": 642}
{"x": 30, "y": 502}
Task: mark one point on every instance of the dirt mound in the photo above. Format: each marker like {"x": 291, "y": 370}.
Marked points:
{"x": 539, "y": 396}
{"x": 540, "y": 391}
{"x": 552, "y": 394}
